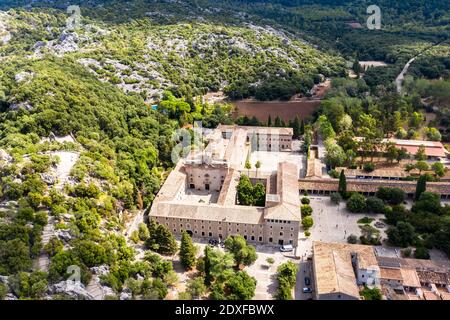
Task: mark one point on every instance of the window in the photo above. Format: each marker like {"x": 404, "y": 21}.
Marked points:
{"x": 260, "y": 239}
{"x": 245, "y": 237}
{"x": 210, "y": 234}
{"x": 281, "y": 233}
{"x": 270, "y": 239}
{"x": 203, "y": 234}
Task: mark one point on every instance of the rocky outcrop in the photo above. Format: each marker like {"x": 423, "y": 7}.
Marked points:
{"x": 75, "y": 290}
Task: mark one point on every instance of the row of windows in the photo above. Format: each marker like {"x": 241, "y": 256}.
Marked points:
{"x": 252, "y": 238}
{"x": 219, "y": 222}
{"x": 206, "y": 176}
{"x": 278, "y": 221}
{"x": 209, "y": 228}
{"x": 292, "y": 229}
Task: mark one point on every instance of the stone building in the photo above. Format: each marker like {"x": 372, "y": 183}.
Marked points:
{"x": 199, "y": 195}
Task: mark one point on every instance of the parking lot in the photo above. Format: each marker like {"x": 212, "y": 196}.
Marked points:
{"x": 264, "y": 273}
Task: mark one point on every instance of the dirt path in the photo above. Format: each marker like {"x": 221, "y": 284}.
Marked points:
{"x": 68, "y": 160}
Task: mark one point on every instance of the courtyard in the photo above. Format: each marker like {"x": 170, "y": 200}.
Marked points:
{"x": 334, "y": 223}
{"x": 269, "y": 160}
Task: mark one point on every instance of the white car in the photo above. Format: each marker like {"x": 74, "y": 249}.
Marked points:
{"x": 307, "y": 290}
{"x": 286, "y": 248}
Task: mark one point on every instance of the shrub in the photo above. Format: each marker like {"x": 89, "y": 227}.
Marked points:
{"x": 356, "y": 203}
{"x": 371, "y": 294}
{"x": 374, "y": 205}
{"x": 365, "y": 220}
{"x": 391, "y": 195}
{"x": 421, "y": 253}
{"x": 369, "y": 167}
{"x": 335, "y": 198}
{"x": 307, "y": 222}
{"x": 406, "y": 253}
{"x": 305, "y": 200}
{"x": 333, "y": 173}
{"x": 353, "y": 239}
{"x": 306, "y": 210}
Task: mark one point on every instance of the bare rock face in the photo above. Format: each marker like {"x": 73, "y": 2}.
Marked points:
{"x": 4, "y": 279}
{"x": 126, "y": 294}
{"x": 5, "y": 156}
{"x": 21, "y": 105}
{"x": 10, "y": 296}
{"x": 75, "y": 290}
{"x": 100, "y": 270}
{"x": 48, "y": 178}
{"x": 64, "y": 235}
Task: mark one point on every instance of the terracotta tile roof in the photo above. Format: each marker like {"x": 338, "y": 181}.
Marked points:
{"x": 432, "y": 148}
{"x": 371, "y": 185}
{"x": 333, "y": 270}
{"x": 410, "y": 278}
{"x": 227, "y": 195}
{"x": 287, "y": 189}
{"x": 428, "y": 295}
{"x": 391, "y": 274}
{"x": 333, "y": 266}
{"x": 260, "y": 130}
{"x": 210, "y": 212}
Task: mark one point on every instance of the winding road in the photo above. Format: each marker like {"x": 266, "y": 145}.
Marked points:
{"x": 401, "y": 76}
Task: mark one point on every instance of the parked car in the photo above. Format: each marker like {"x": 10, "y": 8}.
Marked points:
{"x": 307, "y": 281}
{"x": 307, "y": 290}
{"x": 286, "y": 248}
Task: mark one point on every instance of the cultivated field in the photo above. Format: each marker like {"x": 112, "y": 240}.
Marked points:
{"x": 286, "y": 110}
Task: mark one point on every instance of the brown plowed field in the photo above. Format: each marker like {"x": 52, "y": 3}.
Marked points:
{"x": 285, "y": 110}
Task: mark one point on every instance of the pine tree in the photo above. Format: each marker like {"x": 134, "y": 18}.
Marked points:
{"x": 269, "y": 121}
{"x": 207, "y": 261}
{"x": 357, "y": 67}
{"x": 342, "y": 189}
{"x": 187, "y": 251}
{"x": 302, "y": 128}
{"x": 420, "y": 187}
{"x": 161, "y": 239}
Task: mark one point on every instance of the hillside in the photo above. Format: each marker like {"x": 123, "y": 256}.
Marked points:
{"x": 189, "y": 58}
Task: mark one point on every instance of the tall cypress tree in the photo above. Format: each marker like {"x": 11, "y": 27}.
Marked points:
{"x": 296, "y": 127}
{"x": 302, "y": 128}
{"x": 420, "y": 187}
{"x": 269, "y": 121}
{"x": 342, "y": 189}
{"x": 187, "y": 251}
